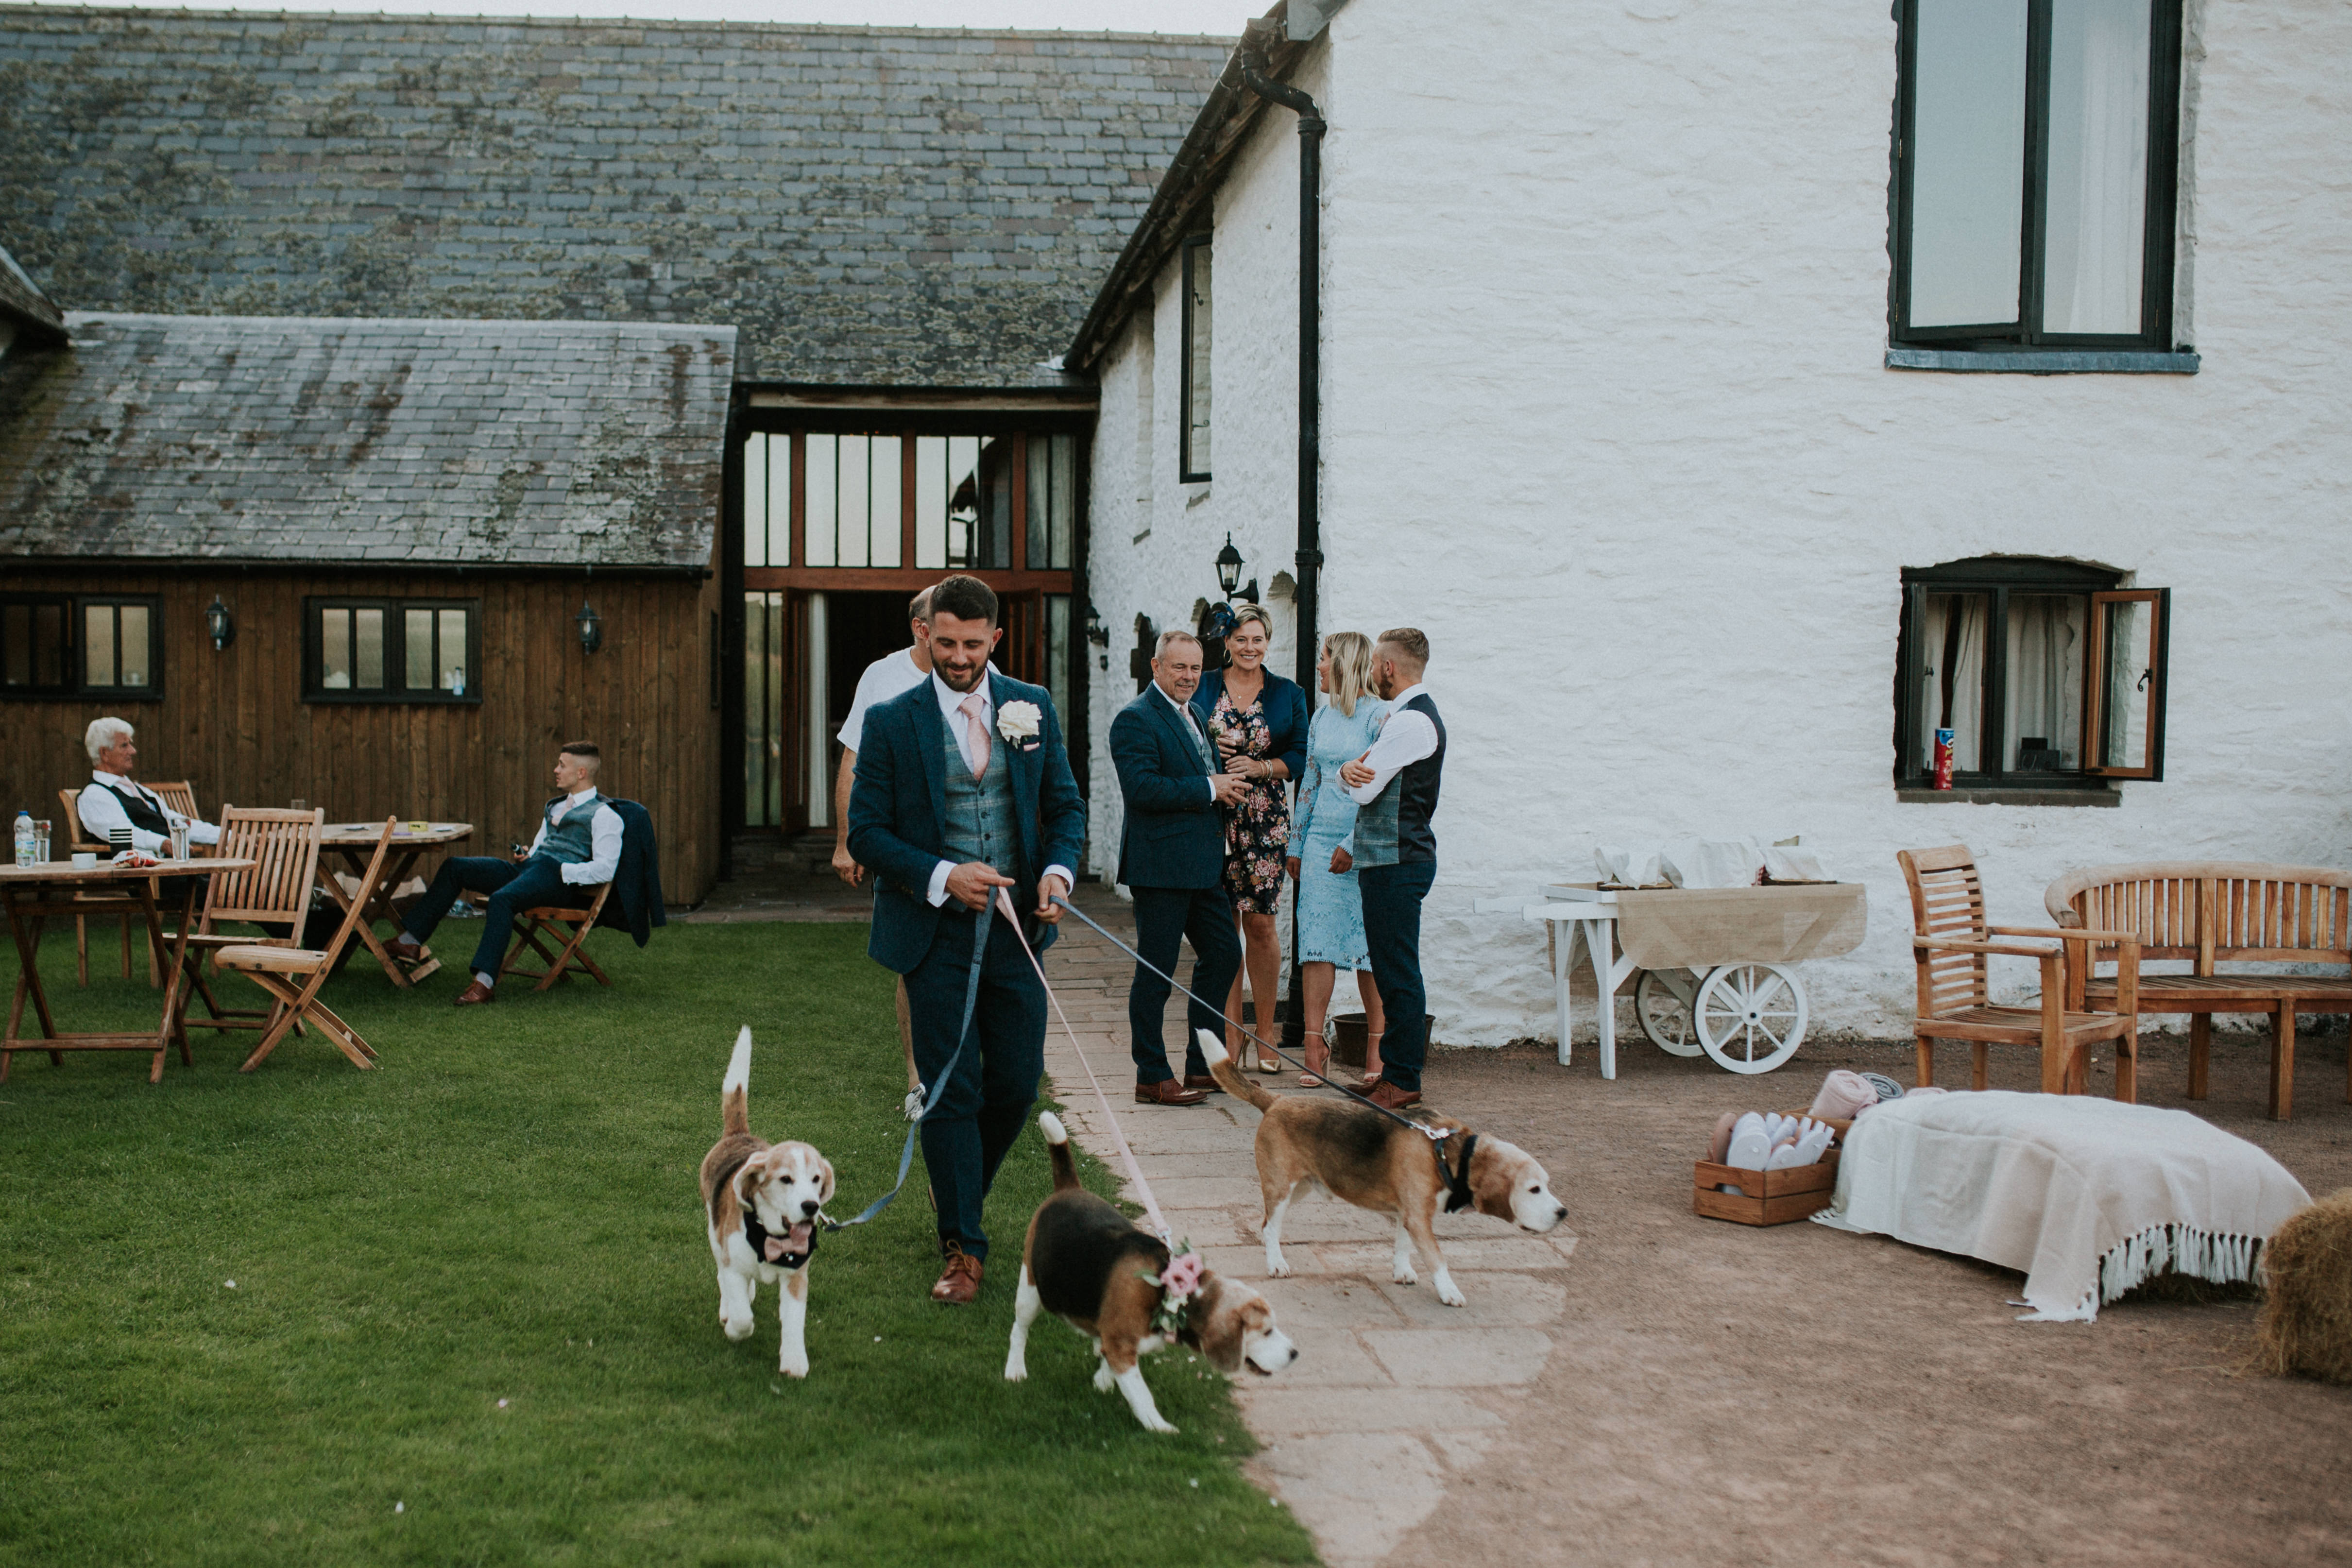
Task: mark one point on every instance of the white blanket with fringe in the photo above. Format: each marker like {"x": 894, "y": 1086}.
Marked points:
{"x": 2088, "y": 1196}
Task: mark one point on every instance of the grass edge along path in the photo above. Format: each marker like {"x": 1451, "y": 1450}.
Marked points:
{"x": 474, "y": 1319}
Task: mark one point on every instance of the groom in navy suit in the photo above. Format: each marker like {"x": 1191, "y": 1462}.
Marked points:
{"x": 962, "y": 787}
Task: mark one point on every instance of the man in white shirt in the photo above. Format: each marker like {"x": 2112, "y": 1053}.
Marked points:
{"x": 1395, "y": 786}
{"x": 578, "y": 846}
{"x": 111, "y": 802}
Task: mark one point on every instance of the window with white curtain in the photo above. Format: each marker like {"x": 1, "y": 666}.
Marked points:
{"x": 2035, "y": 163}
{"x": 2041, "y": 674}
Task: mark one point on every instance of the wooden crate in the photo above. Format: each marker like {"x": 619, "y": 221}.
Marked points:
{"x": 1766, "y": 1197}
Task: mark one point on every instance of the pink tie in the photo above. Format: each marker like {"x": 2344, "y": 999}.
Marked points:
{"x": 975, "y": 733}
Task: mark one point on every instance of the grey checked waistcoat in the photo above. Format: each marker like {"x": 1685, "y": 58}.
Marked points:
{"x": 982, "y": 823}
{"x": 572, "y": 841}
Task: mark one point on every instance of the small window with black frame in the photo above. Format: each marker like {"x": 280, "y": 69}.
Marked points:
{"x": 2036, "y": 148}
{"x": 1192, "y": 446}
{"x": 76, "y": 644}
{"x": 2035, "y": 675}
{"x": 391, "y": 650}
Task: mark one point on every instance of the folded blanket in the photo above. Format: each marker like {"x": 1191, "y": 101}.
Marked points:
{"x": 2089, "y": 1197}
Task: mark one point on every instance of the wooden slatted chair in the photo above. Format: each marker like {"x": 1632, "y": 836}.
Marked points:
{"x": 567, "y": 929}
{"x": 275, "y": 892}
{"x": 1951, "y": 944}
{"x": 179, "y": 795}
{"x": 112, "y": 905}
{"x": 294, "y": 975}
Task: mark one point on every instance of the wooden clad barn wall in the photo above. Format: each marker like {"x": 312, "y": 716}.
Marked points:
{"x": 235, "y": 721}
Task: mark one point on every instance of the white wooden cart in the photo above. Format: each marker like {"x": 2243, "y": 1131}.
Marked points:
{"x": 1716, "y": 964}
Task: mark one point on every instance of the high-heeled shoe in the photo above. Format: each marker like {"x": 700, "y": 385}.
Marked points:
{"x": 1318, "y": 1061}
{"x": 1372, "y": 1063}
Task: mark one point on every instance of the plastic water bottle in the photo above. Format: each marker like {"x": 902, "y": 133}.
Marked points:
{"x": 24, "y": 850}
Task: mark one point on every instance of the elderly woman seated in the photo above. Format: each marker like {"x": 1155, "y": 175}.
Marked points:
{"x": 113, "y": 801}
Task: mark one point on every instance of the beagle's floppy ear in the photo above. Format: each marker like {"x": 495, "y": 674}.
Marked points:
{"x": 825, "y": 1193}
{"x": 748, "y": 1174}
{"x": 1494, "y": 1171}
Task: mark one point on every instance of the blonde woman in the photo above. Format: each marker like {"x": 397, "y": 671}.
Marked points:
{"x": 1259, "y": 720}
{"x": 1330, "y": 914}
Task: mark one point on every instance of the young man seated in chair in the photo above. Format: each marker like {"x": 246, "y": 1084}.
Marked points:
{"x": 579, "y": 845}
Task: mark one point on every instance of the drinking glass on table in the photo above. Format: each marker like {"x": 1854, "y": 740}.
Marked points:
{"x": 41, "y": 841}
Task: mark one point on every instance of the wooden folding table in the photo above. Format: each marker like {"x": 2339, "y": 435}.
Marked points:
{"x": 34, "y": 893}
{"x": 355, "y": 842}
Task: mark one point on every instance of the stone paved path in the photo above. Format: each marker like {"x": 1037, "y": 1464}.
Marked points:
{"x": 1394, "y": 1395}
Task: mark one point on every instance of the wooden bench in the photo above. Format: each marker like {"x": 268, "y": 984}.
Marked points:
{"x": 2212, "y": 912}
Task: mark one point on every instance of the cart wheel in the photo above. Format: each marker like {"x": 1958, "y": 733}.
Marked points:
{"x": 1751, "y": 1016}
{"x": 1665, "y": 1016}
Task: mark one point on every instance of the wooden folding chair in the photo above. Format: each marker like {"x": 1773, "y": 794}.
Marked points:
{"x": 567, "y": 928}
{"x": 284, "y": 846}
{"x": 108, "y": 903}
{"x": 278, "y": 970}
{"x": 1951, "y": 945}
{"x": 179, "y": 795}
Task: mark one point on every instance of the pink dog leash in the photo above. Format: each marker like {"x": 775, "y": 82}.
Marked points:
{"x": 1125, "y": 1154}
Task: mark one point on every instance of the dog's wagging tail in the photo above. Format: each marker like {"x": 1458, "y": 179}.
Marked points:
{"x": 735, "y": 1088}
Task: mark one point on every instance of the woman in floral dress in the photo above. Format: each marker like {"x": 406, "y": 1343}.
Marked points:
{"x": 1259, "y": 720}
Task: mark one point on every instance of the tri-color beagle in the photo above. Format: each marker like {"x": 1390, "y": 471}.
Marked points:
{"x": 762, "y": 1200}
{"x": 1091, "y": 1266}
{"x": 1352, "y": 1152}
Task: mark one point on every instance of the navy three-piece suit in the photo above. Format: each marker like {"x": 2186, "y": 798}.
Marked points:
{"x": 908, "y": 812}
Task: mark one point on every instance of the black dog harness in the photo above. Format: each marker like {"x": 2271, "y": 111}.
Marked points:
{"x": 1458, "y": 1180}
{"x": 757, "y": 1236}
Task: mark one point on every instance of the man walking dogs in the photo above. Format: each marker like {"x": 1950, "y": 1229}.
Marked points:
{"x": 1395, "y": 785}
{"x": 1171, "y": 856}
{"x": 962, "y": 787}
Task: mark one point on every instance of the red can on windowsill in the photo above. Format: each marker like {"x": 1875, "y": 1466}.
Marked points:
{"x": 1943, "y": 759}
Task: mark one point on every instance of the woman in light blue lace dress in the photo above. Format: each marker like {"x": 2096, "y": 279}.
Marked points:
{"x": 1323, "y": 824}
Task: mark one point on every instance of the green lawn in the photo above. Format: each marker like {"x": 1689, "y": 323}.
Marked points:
{"x": 474, "y": 1319}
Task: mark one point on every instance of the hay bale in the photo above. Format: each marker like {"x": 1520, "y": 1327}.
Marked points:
{"x": 2306, "y": 1324}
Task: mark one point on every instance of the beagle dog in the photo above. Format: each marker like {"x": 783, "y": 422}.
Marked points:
{"x": 1354, "y": 1152}
{"x": 1091, "y": 1266}
{"x": 761, "y": 1202}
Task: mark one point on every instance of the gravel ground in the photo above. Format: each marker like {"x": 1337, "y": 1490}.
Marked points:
{"x": 1721, "y": 1395}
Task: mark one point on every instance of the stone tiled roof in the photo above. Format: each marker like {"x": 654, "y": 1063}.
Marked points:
{"x": 871, "y": 206}
{"x": 276, "y": 439}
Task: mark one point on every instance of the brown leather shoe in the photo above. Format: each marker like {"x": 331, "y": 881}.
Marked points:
{"x": 407, "y": 949}
{"x": 1204, "y": 1082}
{"x": 477, "y": 993}
{"x": 1389, "y": 1097}
{"x": 959, "y": 1280}
{"x": 1166, "y": 1092}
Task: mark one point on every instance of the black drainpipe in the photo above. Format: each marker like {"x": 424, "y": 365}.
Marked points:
{"x": 1310, "y": 418}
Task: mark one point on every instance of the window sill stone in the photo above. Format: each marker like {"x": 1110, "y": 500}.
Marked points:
{"x": 2045, "y": 361}
{"x": 2009, "y": 798}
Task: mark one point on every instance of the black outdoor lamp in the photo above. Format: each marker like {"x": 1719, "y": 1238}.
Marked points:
{"x": 592, "y": 627}
{"x": 218, "y": 622}
{"x": 1097, "y": 633}
{"x": 1229, "y": 574}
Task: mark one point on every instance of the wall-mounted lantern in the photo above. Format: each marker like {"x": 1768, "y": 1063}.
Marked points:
{"x": 592, "y": 627}
{"x": 220, "y": 624}
{"x": 1229, "y": 574}
{"x": 1097, "y": 633}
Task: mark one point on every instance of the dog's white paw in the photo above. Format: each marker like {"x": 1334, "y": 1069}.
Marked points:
{"x": 1156, "y": 1424}
{"x": 1104, "y": 1379}
{"x": 737, "y": 1327}
{"x": 1277, "y": 1263}
{"x": 1451, "y": 1293}
{"x": 1404, "y": 1275}
{"x": 1016, "y": 1369}
{"x": 793, "y": 1366}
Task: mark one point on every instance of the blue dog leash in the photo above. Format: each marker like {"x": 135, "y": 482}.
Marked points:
{"x": 938, "y": 1084}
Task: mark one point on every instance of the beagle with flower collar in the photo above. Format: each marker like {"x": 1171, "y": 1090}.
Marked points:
{"x": 1094, "y": 1268}
{"x": 762, "y": 1202}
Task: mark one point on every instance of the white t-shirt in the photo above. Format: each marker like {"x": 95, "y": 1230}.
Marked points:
{"x": 883, "y": 678}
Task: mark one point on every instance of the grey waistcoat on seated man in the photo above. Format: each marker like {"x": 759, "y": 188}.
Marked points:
{"x": 981, "y": 825}
{"x": 572, "y": 841}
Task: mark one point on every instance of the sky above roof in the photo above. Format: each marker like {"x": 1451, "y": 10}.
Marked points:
{"x": 1221, "y": 17}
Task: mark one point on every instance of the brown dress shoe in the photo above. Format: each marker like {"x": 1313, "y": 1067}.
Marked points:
{"x": 1204, "y": 1082}
{"x": 1389, "y": 1097}
{"x": 477, "y": 993}
{"x": 407, "y": 949}
{"x": 959, "y": 1280}
{"x": 1166, "y": 1092}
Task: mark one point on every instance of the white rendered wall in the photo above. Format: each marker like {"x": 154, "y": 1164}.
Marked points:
{"x": 1605, "y": 414}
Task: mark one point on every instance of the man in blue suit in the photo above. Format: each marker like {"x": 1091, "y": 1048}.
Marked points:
{"x": 962, "y": 787}
{"x": 1171, "y": 856}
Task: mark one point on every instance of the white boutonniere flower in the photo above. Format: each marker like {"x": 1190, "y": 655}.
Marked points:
{"x": 1019, "y": 720}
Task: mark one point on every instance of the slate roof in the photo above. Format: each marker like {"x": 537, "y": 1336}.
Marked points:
{"x": 872, "y": 206}
{"x": 277, "y": 438}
